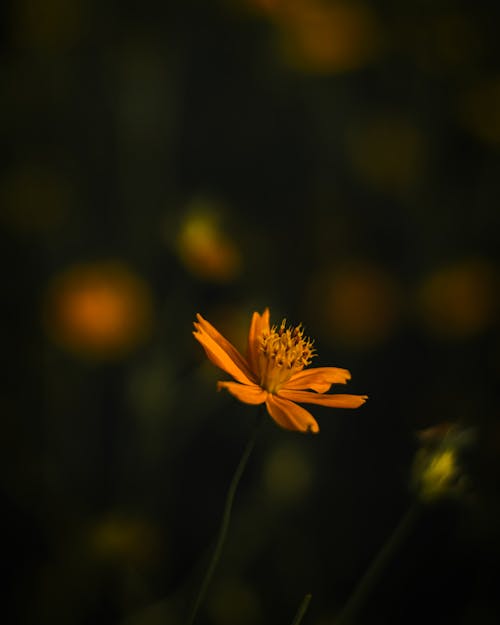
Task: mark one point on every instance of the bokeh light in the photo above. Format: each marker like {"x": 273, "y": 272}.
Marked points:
{"x": 325, "y": 37}
{"x": 360, "y": 304}
{"x": 203, "y": 246}
{"x": 459, "y": 300}
{"x": 437, "y": 469}
{"x": 99, "y": 310}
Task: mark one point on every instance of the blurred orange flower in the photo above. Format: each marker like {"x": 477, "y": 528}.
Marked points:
{"x": 99, "y": 310}
{"x": 272, "y": 372}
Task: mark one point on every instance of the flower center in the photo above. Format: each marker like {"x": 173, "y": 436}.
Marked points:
{"x": 282, "y": 352}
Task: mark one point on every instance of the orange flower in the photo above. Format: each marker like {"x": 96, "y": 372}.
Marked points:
{"x": 272, "y": 372}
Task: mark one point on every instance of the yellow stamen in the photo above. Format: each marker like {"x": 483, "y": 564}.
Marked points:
{"x": 282, "y": 352}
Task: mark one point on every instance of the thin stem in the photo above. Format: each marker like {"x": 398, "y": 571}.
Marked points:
{"x": 302, "y": 609}
{"x": 226, "y": 517}
{"x": 378, "y": 564}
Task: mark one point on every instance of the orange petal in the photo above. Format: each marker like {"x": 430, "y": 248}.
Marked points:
{"x": 228, "y": 347}
{"x": 221, "y": 358}
{"x": 331, "y": 401}
{"x": 290, "y": 416}
{"x": 245, "y": 393}
{"x": 318, "y": 379}
{"x": 258, "y": 324}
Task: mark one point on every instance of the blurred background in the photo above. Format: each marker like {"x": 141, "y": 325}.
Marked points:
{"x": 336, "y": 161}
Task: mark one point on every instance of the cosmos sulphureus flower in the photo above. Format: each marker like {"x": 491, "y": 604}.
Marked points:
{"x": 274, "y": 371}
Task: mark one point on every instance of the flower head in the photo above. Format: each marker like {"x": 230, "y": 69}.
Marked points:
{"x": 437, "y": 467}
{"x": 273, "y": 371}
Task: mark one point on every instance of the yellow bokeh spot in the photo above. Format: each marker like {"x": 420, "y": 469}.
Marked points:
{"x": 325, "y": 37}
{"x": 437, "y": 469}
{"x": 435, "y": 472}
{"x": 441, "y": 469}
{"x": 204, "y": 248}
{"x": 458, "y": 301}
{"x": 99, "y": 310}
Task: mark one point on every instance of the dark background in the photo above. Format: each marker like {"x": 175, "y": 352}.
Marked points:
{"x": 337, "y": 162}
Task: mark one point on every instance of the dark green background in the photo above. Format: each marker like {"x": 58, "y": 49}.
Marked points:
{"x": 117, "y": 118}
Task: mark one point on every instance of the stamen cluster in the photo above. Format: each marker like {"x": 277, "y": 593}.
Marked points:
{"x": 283, "y": 351}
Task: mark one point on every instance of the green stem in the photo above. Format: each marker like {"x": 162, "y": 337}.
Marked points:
{"x": 302, "y": 609}
{"x": 377, "y": 566}
{"x": 226, "y": 517}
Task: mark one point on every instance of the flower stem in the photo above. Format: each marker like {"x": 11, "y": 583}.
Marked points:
{"x": 348, "y": 615}
{"x": 225, "y": 520}
{"x": 302, "y": 609}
